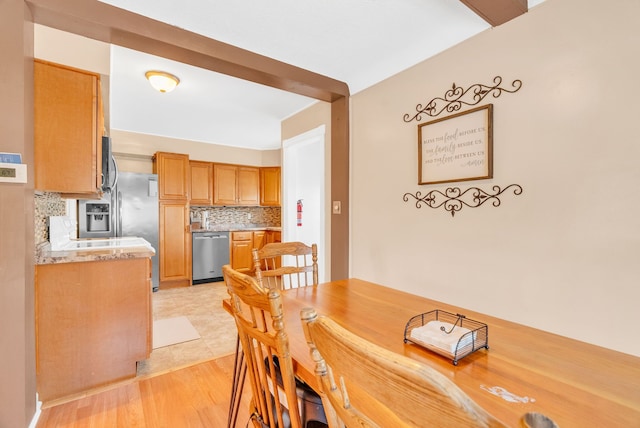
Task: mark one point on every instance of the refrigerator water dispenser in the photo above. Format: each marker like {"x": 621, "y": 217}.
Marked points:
{"x": 98, "y": 217}
{"x": 94, "y": 218}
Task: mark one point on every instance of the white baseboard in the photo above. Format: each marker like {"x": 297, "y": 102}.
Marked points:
{"x": 36, "y": 416}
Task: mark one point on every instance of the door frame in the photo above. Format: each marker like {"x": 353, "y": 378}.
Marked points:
{"x": 289, "y": 180}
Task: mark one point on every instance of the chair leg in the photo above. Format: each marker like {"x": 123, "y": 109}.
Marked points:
{"x": 239, "y": 376}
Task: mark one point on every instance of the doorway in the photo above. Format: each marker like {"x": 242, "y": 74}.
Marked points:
{"x": 303, "y": 207}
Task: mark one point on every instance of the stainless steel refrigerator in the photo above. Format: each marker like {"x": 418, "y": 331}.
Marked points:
{"x": 134, "y": 204}
{"x": 130, "y": 209}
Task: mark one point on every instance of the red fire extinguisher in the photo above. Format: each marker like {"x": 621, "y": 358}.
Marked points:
{"x": 299, "y": 209}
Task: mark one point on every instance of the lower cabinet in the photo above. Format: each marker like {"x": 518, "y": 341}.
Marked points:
{"x": 175, "y": 245}
{"x": 242, "y": 245}
{"x": 273, "y": 236}
{"x": 241, "y": 258}
{"x": 259, "y": 239}
{"x": 93, "y": 323}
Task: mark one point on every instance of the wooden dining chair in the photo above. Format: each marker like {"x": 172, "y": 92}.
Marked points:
{"x": 364, "y": 385}
{"x": 285, "y": 265}
{"x": 270, "y": 273}
{"x": 265, "y": 345}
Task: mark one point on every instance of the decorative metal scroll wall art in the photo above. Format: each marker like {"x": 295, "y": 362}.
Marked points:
{"x": 456, "y": 97}
{"x": 453, "y": 199}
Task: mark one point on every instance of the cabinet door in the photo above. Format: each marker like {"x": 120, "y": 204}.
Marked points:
{"x": 201, "y": 183}
{"x": 173, "y": 175}
{"x": 67, "y": 138}
{"x": 248, "y": 185}
{"x": 259, "y": 239}
{"x": 224, "y": 184}
{"x": 270, "y": 186}
{"x": 273, "y": 236}
{"x": 241, "y": 257}
{"x": 175, "y": 242}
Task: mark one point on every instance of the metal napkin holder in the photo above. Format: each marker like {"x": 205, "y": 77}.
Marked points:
{"x": 474, "y": 339}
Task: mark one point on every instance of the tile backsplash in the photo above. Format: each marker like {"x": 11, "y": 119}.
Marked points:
{"x": 263, "y": 216}
{"x": 46, "y": 204}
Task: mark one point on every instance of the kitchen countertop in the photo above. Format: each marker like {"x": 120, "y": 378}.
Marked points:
{"x": 119, "y": 250}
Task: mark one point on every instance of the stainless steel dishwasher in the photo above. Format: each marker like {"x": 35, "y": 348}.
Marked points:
{"x": 210, "y": 253}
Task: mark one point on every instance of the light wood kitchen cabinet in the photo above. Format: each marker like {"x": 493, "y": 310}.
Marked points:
{"x": 175, "y": 244}
{"x": 224, "y": 184}
{"x": 248, "y": 185}
{"x": 270, "y": 186}
{"x": 241, "y": 258}
{"x": 273, "y": 236}
{"x": 201, "y": 183}
{"x": 173, "y": 175}
{"x": 236, "y": 185}
{"x": 259, "y": 239}
{"x": 242, "y": 244}
{"x": 68, "y": 129}
{"x": 174, "y": 235}
{"x": 93, "y": 323}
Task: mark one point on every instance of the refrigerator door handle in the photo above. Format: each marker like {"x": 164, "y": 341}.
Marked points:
{"x": 115, "y": 169}
{"x": 119, "y": 217}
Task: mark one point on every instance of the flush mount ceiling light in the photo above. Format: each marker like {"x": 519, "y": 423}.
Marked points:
{"x": 162, "y": 81}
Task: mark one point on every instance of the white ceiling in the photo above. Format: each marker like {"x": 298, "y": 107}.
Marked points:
{"x": 360, "y": 42}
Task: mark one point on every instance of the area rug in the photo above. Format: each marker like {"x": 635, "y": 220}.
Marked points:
{"x": 171, "y": 331}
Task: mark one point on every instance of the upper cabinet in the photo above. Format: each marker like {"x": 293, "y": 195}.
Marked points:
{"x": 201, "y": 183}
{"x": 224, "y": 184}
{"x": 68, "y": 129}
{"x": 248, "y": 185}
{"x": 173, "y": 176}
{"x": 270, "y": 186}
{"x": 236, "y": 185}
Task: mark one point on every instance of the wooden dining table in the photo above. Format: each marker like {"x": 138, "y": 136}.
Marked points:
{"x": 524, "y": 370}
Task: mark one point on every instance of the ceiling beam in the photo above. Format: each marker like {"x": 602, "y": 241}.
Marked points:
{"x": 497, "y": 12}
{"x": 109, "y": 24}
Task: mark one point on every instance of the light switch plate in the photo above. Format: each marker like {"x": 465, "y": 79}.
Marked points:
{"x": 337, "y": 207}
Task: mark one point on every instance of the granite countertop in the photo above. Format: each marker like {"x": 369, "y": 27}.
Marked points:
{"x": 118, "y": 250}
{"x": 234, "y": 228}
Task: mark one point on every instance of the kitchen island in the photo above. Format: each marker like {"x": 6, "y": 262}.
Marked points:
{"x": 93, "y": 317}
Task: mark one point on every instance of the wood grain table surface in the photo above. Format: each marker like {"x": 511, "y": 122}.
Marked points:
{"x": 525, "y": 370}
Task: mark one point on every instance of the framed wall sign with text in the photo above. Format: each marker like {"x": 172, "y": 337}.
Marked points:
{"x": 456, "y": 148}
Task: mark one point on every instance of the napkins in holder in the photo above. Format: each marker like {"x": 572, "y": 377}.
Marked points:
{"x": 451, "y": 335}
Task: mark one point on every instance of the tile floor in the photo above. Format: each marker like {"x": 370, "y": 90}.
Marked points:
{"x": 202, "y": 305}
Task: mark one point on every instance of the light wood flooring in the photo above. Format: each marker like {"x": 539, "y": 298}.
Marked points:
{"x": 192, "y": 397}
{"x": 182, "y": 385}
